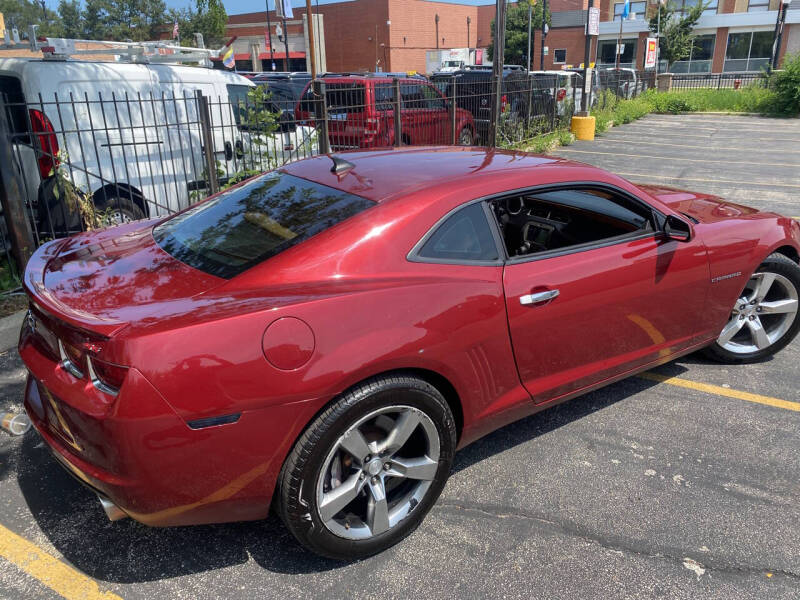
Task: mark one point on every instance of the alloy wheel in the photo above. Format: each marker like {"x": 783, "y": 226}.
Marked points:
{"x": 377, "y": 472}
{"x": 762, "y": 315}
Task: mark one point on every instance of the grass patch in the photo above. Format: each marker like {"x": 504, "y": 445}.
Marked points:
{"x": 543, "y": 144}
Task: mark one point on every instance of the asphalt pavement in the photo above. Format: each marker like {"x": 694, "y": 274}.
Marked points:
{"x": 684, "y": 488}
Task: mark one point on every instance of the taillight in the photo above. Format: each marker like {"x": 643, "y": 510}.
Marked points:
{"x": 48, "y": 144}
{"x": 562, "y": 93}
{"x": 107, "y": 376}
{"x": 503, "y": 103}
{"x": 82, "y": 354}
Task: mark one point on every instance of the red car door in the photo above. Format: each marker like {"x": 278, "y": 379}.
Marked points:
{"x": 581, "y": 315}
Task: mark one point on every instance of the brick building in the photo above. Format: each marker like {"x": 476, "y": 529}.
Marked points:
{"x": 394, "y": 35}
{"x": 360, "y": 35}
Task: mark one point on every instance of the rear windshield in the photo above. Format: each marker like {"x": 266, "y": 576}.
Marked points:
{"x": 245, "y": 226}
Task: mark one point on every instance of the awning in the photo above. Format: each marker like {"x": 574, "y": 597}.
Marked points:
{"x": 280, "y": 55}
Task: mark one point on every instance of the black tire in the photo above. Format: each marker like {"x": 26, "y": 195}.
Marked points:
{"x": 465, "y": 137}
{"x": 780, "y": 265}
{"x": 296, "y": 496}
{"x": 119, "y": 210}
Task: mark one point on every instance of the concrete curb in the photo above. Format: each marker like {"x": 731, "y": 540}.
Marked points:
{"x": 9, "y": 330}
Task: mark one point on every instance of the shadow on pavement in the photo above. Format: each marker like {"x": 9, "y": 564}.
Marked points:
{"x": 128, "y": 552}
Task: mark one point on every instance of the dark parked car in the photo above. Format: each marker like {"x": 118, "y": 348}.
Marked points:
{"x": 473, "y": 92}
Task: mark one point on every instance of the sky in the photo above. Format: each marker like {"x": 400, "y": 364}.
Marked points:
{"x": 233, "y": 7}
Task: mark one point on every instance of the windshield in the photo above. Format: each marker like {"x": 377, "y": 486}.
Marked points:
{"x": 247, "y": 225}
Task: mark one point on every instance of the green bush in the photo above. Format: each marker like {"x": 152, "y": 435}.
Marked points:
{"x": 786, "y": 86}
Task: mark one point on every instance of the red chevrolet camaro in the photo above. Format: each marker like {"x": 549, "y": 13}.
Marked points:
{"x": 321, "y": 339}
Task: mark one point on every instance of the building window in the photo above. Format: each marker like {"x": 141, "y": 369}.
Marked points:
{"x": 700, "y": 57}
{"x": 758, "y": 6}
{"x": 748, "y": 51}
{"x": 607, "y": 53}
{"x": 635, "y": 7}
{"x": 559, "y": 56}
{"x": 683, "y": 6}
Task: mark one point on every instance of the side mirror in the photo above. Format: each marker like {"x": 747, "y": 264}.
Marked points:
{"x": 677, "y": 229}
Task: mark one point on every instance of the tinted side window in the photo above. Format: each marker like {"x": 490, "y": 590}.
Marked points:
{"x": 465, "y": 235}
{"x": 412, "y": 97}
{"x": 433, "y": 99}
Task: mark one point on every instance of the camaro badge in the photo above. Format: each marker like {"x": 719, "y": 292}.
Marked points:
{"x": 728, "y": 276}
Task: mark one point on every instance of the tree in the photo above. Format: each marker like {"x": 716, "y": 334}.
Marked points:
{"x": 210, "y": 19}
{"x": 677, "y": 31}
{"x": 516, "y": 50}
{"x": 24, "y": 13}
{"x": 96, "y": 20}
{"x": 70, "y": 24}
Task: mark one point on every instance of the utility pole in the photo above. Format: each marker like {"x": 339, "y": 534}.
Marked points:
{"x": 311, "y": 40}
{"x": 269, "y": 35}
{"x": 587, "y": 71}
{"x": 658, "y": 38}
{"x": 544, "y": 31}
{"x": 530, "y": 18}
{"x": 286, "y": 42}
{"x": 497, "y": 68}
{"x": 776, "y": 45}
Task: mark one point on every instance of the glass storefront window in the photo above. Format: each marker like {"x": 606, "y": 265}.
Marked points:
{"x": 700, "y": 58}
{"x": 607, "y": 52}
{"x": 748, "y": 50}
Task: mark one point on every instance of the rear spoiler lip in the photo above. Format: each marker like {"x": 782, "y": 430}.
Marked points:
{"x": 33, "y": 283}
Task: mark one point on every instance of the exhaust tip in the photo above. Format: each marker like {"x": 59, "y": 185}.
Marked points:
{"x": 113, "y": 512}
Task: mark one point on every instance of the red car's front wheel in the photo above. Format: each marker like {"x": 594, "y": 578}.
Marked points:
{"x": 368, "y": 469}
{"x": 764, "y": 318}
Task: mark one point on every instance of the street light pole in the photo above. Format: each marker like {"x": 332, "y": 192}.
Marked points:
{"x": 469, "y": 20}
{"x": 587, "y": 50}
{"x": 436, "y": 20}
{"x": 544, "y": 31}
{"x": 497, "y": 69}
{"x": 530, "y": 20}
{"x": 619, "y": 41}
{"x": 310, "y": 19}
{"x": 269, "y": 32}
{"x": 776, "y": 45}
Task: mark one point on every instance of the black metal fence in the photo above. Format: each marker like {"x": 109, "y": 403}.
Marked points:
{"x": 70, "y": 163}
{"x": 718, "y": 81}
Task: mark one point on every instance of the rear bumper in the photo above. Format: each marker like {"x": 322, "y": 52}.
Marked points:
{"x": 137, "y": 452}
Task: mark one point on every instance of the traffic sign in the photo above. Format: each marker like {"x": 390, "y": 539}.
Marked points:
{"x": 594, "y": 21}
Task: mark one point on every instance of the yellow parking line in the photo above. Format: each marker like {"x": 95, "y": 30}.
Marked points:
{"x": 721, "y": 391}
{"x": 47, "y": 569}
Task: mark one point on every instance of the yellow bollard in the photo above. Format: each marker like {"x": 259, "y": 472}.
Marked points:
{"x": 583, "y": 128}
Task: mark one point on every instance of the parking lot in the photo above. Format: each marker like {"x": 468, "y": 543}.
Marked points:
{"x": 681, "y": 483}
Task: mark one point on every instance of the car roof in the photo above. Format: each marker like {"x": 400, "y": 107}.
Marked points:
{"x": 381, "y": 175}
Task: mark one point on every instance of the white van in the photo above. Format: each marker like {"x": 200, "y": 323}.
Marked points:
{"x": 128, "y": 134}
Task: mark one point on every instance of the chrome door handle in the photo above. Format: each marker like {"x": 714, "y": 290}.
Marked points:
{"x": 529, "y": 299}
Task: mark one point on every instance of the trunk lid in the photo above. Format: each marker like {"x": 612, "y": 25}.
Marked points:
{"x": 105, "y": 280}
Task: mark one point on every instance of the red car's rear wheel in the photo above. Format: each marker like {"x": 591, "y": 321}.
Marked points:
{"x": 368, "y": 469}
{"x": 764, "y": 318}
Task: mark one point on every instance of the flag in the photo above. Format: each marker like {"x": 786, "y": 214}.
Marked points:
{"x": 227, "y": 59}
{"x": 626, "y": 10}
{"x": 175, "y": 31}
{"x": 287, "y": 8}
{"x": 267, "y": 41}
